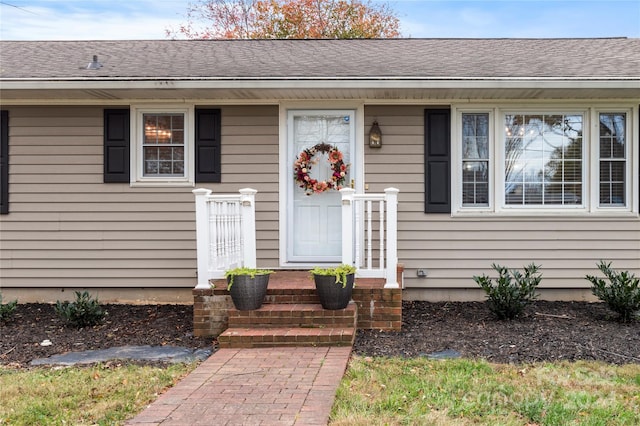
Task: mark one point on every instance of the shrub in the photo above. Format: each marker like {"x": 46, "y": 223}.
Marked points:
{"x": 84, "y": 312}
{"x": 7, "y": 309}
{"x": 512, "y": 292}
{"x": 621, "y": 294}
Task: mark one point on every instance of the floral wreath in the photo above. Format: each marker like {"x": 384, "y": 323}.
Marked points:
{"x": 305, "y": 161}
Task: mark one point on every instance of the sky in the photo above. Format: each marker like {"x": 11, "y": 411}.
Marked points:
{"x": 149, "y": 19}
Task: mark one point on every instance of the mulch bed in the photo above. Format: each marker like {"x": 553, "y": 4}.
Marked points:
{"x": 549, "y": 331}
{"x": 155, "y": 325}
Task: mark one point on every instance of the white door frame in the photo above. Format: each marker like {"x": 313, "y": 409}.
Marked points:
{"x": 286, "y": 170}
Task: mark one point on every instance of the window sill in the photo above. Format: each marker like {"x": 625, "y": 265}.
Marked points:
{"x": 161, "y": 184}
{"x": 545, "y": 214}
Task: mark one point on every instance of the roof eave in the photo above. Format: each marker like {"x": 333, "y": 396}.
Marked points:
{"x": 320, "y": 83}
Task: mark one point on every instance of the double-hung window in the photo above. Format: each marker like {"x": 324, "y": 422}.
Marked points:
{"x": 475, "y": 159}
{"x": 163, "y": 146}
{"x": 545, "y": 160}
{"x": 613, "y": 159}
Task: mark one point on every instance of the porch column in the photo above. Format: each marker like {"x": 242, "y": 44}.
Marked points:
{"x": 202, "y": 237}
{"x": 347, "y": 225}
{"x": 248, "y": 209}
{"x": 391, "y": 194}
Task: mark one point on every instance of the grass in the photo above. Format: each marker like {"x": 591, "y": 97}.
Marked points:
{"x": 395, "y": 391}
{"x": 374, "y": 391}
{"x": 96, "y": 395}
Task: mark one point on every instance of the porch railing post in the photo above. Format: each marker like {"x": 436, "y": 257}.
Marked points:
{"x": 248, "y": 208}
{"x": 347, "y": 225}
{"x": 391, "y": 194}
{"x": 202, "y": 237}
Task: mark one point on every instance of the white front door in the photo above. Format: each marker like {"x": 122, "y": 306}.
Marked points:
{"x": 314, "y": 221}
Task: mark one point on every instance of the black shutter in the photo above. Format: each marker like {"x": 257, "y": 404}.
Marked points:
{"x": 4, "y": 162}
{"x": 116, "y": 145}
{"x": 208, "y": 130}
{"x": 437, "y": 160}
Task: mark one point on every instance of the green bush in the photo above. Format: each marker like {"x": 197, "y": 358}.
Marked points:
{"x": 84, "y": 312}
{"x": 621, "y": 294}
{"x": 512, "y": 291}
{"x": 7, "y": 309}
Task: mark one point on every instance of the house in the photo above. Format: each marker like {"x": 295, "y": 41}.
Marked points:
{"x": 502, "y": 150}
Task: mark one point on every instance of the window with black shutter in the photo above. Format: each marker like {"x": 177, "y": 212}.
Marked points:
{"x": 163, "y": 153}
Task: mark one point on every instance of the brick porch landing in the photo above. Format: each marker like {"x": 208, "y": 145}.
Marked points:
{"x": 293, "y": 315}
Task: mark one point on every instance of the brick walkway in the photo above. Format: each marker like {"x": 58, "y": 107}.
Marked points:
{"x": 270, "y": 386}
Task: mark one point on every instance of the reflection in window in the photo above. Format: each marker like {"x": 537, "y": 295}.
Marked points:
{"x": 163, "y": 145}
{"x": 612, "y": 159}
{"x": 543, "y": 159}
{"x": 475, "y": 159}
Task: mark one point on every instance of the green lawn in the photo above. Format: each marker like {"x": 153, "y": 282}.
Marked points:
{"x": 395, "y": 391}
{"x": 374, "y": 391}
{"x": 97, "y": 395}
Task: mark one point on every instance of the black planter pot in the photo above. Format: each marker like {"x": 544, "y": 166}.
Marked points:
{"x": 333, "y": 295}
{"x": 248, "y": 293}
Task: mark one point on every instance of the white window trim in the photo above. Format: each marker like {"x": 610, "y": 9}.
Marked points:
{"x": 137, "y": 126}
{"x": 591, "y": 177}
{"x": 629, "y": 158}
{"x": 456, "y": 155}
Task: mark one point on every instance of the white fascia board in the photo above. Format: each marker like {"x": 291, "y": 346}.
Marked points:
{"x": 309, "y": 83}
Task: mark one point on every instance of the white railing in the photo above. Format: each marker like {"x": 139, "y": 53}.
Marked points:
{"x": 371, "y": 245}
{"x": 225, "y": 233}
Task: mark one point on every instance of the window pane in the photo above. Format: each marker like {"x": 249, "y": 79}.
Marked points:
{"x": 165, "y": 168}
{"x": 150, "y": 153}
{"x": 475, "y": 146}
{"x": 543, "y": 157}
{"x": 178, "y": 168}
{"x": 613, "y": 163}
{"x": 178, "y": 154}
{"x": 150, "y": 168}
{"x": 177, "y": 137}
{"x": 572, "y": 171}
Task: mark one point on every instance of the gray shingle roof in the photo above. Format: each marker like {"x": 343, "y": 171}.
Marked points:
{"x": 610, "y": 58}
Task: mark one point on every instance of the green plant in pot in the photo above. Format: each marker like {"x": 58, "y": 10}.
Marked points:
{"x": 247, "y": 286}
{"x": 334, "y": 285}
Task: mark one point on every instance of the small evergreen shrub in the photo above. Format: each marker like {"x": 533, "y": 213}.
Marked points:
{"x": 84, "y": 312}
{"x": 7, "y": 309}
{"x": 512, "y": 291}
{"x": 621, "y": 294}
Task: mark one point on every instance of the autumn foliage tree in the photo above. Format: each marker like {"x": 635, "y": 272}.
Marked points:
{"x": 295, "y": 19}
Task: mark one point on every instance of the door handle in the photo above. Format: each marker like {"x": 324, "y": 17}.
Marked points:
{"x": 353, "y": 183}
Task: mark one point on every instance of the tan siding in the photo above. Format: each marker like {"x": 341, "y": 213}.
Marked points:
{"x": 68, "y": 229}
{"x": 454, "y": 249}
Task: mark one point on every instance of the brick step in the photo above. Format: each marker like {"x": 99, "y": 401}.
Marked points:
{"x": 378, "y": 307}
{"x": 294, "y": 315}
{"x": 291, "y": 296}
{"x": 286, "y": 336}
